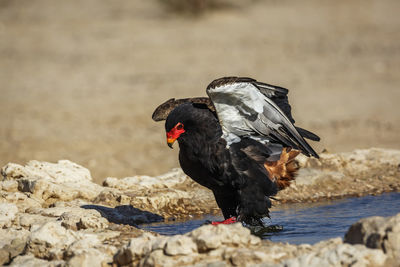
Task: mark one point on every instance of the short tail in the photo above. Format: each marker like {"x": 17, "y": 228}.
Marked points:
{"x": 283, "y": 171}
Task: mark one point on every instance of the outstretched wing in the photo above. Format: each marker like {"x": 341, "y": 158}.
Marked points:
{"x": 258, "y": 110}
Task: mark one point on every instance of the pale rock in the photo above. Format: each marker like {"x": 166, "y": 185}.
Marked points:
{"x": 369, "y": 231}
{"x": 12, "y": 243}
{"x": 89, "y": 241}
{"x": 337, "y": 166}
{"x": 206, "y": 239}
{"x": 15, "y": 197}
{"x": 53, "y": 241}
{"x": 8, "y": 235}
{"x": 275, "y": 253}
{"x": 308, "y": 176}
{"x": 89, "y": 252}
{"x": 246, "y": 257}
{"x": 72, "y": 203}
{"x": 158, "y": 242}
{"x": 167, "y": 180}
{"x": 210, "y": 237}
{"x": 27, "y": 220}
{"x": 64, "y": 180}
{"x": 31, "y": 261}
{"x": 15, "y": 248}
{"x": 28, "y": 203}
{"x": 157, "y": 259}
{"x": 124, "y": 200}
{"x": 67, "y": 188}
{"x": 135, "y": 249}
{"x": 9, "y": 185}
{"x": 392, "y": 243}
{"x": 79, "y": 246}
{"x": 180, "y": 245}
{"x": 103, "y": 235}
{"x": 4, "y": 257}
{"x": 211, "y": 263}
{"x": 58, "y": 211}
{"x": 341, "y": 255}
{"x": 381, "y": 155}
{"x": 8, "y": 212}
{"x": 50, "y": 239}
{"x": 95, "y": 222}
{"x": 79, "y": 218}
{"x": 162, "y": 199}
{"x": 215, "y": 253}
{"x": 91, "y": 257}
{"x": 377, "y": 232}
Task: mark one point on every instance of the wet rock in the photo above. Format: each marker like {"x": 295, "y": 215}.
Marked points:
{"x": 377, "y": 232}
{"x": 7, "y": 214}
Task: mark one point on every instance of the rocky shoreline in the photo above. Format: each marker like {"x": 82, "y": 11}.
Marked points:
{"x": 52, "y": 214}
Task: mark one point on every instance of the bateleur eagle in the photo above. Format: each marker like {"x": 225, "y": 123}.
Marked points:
{"x": 240, "y": 143}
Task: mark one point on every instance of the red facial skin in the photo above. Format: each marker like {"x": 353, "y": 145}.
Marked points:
{"x": 174, "y": 134}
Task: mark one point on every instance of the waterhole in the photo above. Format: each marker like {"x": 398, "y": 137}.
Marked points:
{"x": 304, "y": 223}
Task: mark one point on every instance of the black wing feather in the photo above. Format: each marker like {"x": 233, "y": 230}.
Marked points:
{"x": 252, "y": 179}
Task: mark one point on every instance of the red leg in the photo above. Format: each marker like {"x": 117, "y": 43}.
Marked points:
{"x": 227, "y": 221}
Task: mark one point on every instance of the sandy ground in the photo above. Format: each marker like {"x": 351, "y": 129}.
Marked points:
{"x": 80, "y": 79}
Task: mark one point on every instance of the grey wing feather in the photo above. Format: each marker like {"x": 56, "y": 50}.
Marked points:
{"x": 286, "y": 128}
{"x": 245, "y": 104}
{"x": 270, "y": 90}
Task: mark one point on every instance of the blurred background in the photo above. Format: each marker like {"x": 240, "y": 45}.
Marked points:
{"x": 79, "y": 80}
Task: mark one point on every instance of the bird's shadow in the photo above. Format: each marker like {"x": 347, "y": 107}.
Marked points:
{"x": 125, "y": 214}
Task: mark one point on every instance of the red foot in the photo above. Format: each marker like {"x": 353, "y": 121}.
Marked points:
{"x": 227, "y": 221}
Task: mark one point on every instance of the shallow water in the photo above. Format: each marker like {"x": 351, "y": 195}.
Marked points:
{"x": 305, "y": 223}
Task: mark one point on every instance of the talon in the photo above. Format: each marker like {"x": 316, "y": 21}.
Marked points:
{"x": 227, "y": 221}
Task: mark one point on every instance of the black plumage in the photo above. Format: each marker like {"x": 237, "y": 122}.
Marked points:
{"x": 242, "y": 174}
